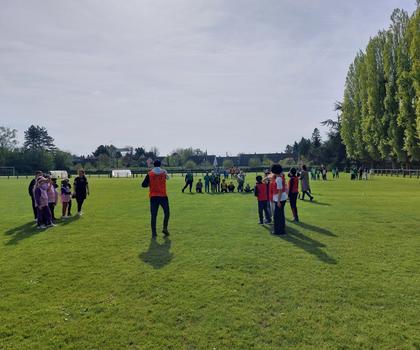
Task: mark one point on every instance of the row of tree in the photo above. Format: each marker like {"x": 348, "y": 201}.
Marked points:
{"x": 380, "y": 119}
{"x": 37, "y": 152}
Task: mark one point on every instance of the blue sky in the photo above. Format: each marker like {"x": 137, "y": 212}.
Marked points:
{"x": 224, "y": 76}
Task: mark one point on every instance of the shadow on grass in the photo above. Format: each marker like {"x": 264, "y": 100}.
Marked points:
{"x": 313, "y": 228}
{"x": 21, "y": 232}
{"x": 158, "y": 255}
{"x": 309, "y": 245}
{"x": 316, "y": 202}
{"x": 29, "y": 229}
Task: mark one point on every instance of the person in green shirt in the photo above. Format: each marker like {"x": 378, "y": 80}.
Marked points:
{"x": 207, "y": 183}
{"x": 189, "y": 179}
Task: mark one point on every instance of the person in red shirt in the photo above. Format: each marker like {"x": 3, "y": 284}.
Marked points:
{"x": 262, "y": 195}
{"x": 293, "y": 193}
{"x": 156, "y": 181}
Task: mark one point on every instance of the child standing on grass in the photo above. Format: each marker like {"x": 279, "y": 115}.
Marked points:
{"x": 279, "y": 198}
{"x": 262, "y": 195}
{"x": 304, "y": 181}
{"x": 52, "y": 196}
{"x": 294, "y": 192}
{"x": 41, "y": 201}
{"x": 65, "y": 198}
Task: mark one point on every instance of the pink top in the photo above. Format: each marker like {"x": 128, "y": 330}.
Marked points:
{"x": 52, "y": 194}
{"x": 65, "y": 194}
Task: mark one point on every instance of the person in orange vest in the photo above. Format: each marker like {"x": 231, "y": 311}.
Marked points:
{"x": 293, "y": 192}
{"x": 156, "y": 181}
{"x": 280, "y": 197}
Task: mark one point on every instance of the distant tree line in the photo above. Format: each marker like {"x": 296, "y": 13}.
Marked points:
{"x": 37, "y": 152}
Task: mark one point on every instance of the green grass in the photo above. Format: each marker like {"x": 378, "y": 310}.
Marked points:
{"x": 346, "y": 277}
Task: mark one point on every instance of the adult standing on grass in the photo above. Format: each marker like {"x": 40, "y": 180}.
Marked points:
{"x": 81, "y": 190}
{"x": 280, "y": 197}
{"x": 156, "y": 181}
{"x": 207, "y": 183}
{"x": 304, "y": 182}
{"x": 189, "y": 179}
{"x": 32, "y": 193}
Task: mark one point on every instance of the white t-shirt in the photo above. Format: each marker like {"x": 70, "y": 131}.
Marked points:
{"x": 279, "y": 183}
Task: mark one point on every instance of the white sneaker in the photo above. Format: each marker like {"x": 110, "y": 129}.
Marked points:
{"x": 51, "y": 225}
{"x": 80, "y": 213}
{"x": 41, "y": 227}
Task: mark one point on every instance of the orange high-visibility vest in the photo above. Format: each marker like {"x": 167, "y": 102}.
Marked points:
{"x": 157, "y": 185}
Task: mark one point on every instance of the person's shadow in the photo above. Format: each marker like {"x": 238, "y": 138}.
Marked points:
{"x": 29, "y": 229}
{"x": 308, "y": 244}
{"x": 313, "y": 228}
{"x": 21, "y": 232}
{"x": 158, "y": 255}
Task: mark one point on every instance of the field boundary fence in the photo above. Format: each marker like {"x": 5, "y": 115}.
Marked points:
{"x": 396, "y": 172}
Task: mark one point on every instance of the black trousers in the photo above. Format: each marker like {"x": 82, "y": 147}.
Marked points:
{"x": 307, "y": 193}
{"x": 155, "y": 202}
{"x": 187, "y": 184}
{"x": 80, "y": 201}
{"x": 293, "y": 199}
{"x": 34, "y": 208}
{"x": 52, "y": 207}
{"x": 279, "y": 219}
{"x": 263, "y": 209}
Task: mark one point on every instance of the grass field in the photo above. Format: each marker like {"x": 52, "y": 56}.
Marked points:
{"x": 346, "y": 277}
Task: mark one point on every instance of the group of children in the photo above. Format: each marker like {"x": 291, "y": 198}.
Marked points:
{"x": 272, "y": 193}
{"x": 214, "y": 183}
{"x": 44, "y": 193}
